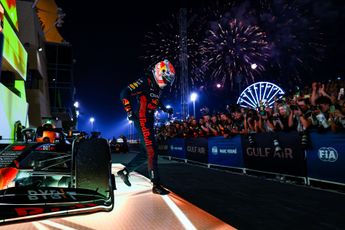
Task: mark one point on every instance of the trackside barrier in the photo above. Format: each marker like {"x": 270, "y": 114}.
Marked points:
{"x": 197, "y": 149}
{"x": 177, "y": 148}
{"x": 324, "y": 161}
{"x": 225, "y": 152}
{"x": 262, "y": 156}
{"x": 326, "y": 158}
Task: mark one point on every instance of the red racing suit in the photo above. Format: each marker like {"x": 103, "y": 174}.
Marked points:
{"x": 146, "y": 93}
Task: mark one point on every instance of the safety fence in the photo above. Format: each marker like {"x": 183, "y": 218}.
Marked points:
{"x": 323, "y": 160}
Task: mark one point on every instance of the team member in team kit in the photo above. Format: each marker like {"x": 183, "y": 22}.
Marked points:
{"x": 147, "y": 91}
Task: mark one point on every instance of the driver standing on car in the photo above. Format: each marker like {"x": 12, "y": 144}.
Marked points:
{"x": 147, "y": 90}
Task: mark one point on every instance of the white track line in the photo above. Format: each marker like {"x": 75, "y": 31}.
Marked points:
{"x": 40, "y": 226}
{"x": 187, "y": 224}
{"x": 56, "y": 225}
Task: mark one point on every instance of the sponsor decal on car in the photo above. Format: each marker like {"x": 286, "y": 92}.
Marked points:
{"x": 50, "y": 194}
{"x": 27, "y": 211}
{"x": 46, "y": 147}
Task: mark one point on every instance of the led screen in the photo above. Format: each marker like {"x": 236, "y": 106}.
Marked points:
{"x": 13, "y": 50}
{"x": 12, "y": 109}
{"x": 11, "y": 10}
{"x": 1, "y": 16}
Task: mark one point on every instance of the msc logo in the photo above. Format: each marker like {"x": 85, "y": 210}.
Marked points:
{"x": 214, "y": 150}
{"x": 328, "y": 154}
{"x": 179, "y": 148}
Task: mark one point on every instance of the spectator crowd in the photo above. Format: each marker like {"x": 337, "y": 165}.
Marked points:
{"x": 319, "y": 106}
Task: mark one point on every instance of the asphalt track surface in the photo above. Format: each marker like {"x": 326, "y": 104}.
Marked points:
{"x": 136, "y": 208}
{"x": 251, "y": 202}
{"x": 209, "y": 199}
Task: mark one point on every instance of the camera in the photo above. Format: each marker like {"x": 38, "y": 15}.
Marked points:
{"x": 204, "y": 111}
{"x": 277, "y": 148}
{"x": 262, "y": 112}
{"x": 275, "y": 116}
{"x": 251, "y": 140}
{"x": 341, "y": 94}
{"x": 293, "y": 107}
{"x": 304, "y": 139}
{"x": 322, "y": 119}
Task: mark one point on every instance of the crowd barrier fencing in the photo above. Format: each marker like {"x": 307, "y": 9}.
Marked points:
{"x": 326, "y": 158}
{"x": 323, "y": 161}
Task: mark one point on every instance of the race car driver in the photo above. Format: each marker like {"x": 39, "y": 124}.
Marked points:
{"x": 147, "y": 90}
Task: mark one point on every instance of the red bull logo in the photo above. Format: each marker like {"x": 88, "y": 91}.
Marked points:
{"x": 146, "y": 132}
{"x": 142, "y": 111}
{"x": 148, "y": 142}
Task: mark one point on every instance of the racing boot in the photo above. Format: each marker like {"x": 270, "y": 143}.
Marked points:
{"x": 124, "y": 174}
{"x": 157, "y": 188}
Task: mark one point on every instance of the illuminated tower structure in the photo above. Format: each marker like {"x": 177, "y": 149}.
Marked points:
{"x": 60, "y": 63}
{"x": 13, "y": 104}
{"x": 61, "y": 86}
{"x": 183, "y": 63}
{"x": 32, "y": 36}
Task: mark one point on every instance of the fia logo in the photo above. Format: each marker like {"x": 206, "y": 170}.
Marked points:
{"x": 214, "y": 150}
{"x": 328, "y": 154}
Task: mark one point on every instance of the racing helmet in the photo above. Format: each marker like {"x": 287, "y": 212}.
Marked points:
{"x": 164, "y": 73}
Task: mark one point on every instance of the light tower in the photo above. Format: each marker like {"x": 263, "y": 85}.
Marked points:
{"x": 183, "y": 57}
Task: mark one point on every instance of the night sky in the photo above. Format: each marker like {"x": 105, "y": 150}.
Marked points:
{"x": 107, "y": 43}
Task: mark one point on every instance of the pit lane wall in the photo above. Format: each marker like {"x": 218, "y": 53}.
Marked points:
{"x": 324, "y": 159}
{"x": 13, "y": 57}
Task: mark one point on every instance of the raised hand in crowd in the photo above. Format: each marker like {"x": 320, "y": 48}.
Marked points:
{"x": 314, "y": 93}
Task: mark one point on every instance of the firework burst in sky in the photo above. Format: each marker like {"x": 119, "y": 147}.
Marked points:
{"x": 282, "y": 38}
{"x": 293, "y": 30}
{"x": 243, "y": 41}
{"x": 234, "y": 48}
{"x": 164, "y": 42}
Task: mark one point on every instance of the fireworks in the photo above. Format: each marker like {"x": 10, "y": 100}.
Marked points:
{"x": 240, "y": 42}
{"x": 233, "y": 48}
{"x": 164, "y": 42}
{"x": 294, "y": 35}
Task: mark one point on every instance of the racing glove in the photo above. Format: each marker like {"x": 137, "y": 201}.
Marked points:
{"x": 131, "y": 116}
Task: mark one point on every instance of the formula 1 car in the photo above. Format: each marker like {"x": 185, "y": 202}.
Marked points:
{"x": 119, "y": 145}
{"x": 44, "y": 179}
